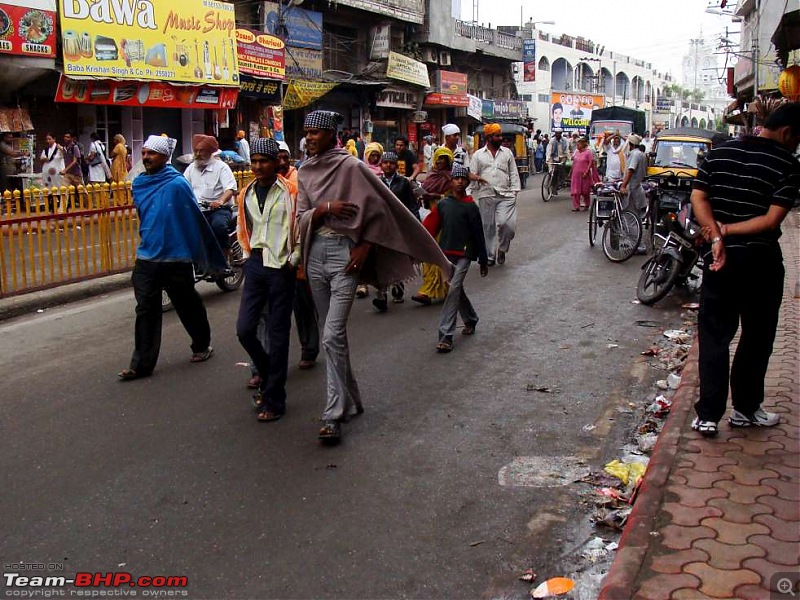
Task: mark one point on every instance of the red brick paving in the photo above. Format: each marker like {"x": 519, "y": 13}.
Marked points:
{"x": 718, "y": 518}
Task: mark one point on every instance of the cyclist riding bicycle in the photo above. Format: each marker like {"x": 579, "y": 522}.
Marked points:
{"x": 557, "y": 156}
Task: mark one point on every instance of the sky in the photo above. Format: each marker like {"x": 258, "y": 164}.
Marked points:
{"x": 657, "y": 31}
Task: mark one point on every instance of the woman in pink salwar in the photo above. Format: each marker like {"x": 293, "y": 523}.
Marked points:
{"x": 584, "y": 176}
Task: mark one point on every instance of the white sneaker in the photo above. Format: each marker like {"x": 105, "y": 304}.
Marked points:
{"x": 760, "y": 418}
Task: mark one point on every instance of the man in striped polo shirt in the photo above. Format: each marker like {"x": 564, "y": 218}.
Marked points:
{"x": 742, "y": 193}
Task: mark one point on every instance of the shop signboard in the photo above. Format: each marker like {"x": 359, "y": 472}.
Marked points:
{"x": 394, "y": 98}
{"x": 380, "y": 35}
{"x": 487, "y": 109}
{"x": 437, "y": 99}
{"x": 475, "y": 108}
{"x": 510, "y": 109}
{"x": 573, "y": 112}
{"x": 664, "y": 104}
{"x": 268, "y": 90}
{"x": 303, "y": 93}
{"x": 529, "y": 60}
{"x": 260, "y": 54}
{"x": 450, "y": 82}
{"x": 303, "y": 28}
{"x": 192, "y": 41}
{"x": 145, "y": 93}
{"x": 407, "y": 69}
{"x": 28, "y": 27}
{"x": 302, "y": 63}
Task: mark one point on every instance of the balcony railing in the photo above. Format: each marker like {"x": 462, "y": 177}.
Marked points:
{"x": 487, "y": 35}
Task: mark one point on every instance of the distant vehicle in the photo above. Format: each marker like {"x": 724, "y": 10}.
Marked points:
{"x": 617, "y": 119}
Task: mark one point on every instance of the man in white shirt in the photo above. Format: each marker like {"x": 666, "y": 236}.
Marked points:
{"x": 243, "y": 148}
{"x": 214, "y": 185}
{"x": 495, "y": 178}
{"x": 451, "y": 139}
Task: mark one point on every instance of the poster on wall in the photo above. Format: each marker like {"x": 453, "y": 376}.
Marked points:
{"x": 301, "y": 28}
{"x": 529, "y": 60}
{"x": 260, "y": 54}
{"x": 188, "y": 42}
{"x": 28, "y": 28}
{"x": 573, "y": 112}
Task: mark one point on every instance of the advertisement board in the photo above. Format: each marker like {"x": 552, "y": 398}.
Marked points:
{"x": 268, "y": 90}
{"x": 188, "y": 42}
{"x": 475, "y": 108}
{"x": 529, "y": 60}
{"x": 145, "y": 93}
{"x": 573, "y": 112}
{"x": 487, "y": 109}
{"x": 437, "y": 99}
{"x": 28, "y": 28}
{"x": 260, "y": 54}
{"x": 510, "y": 109}
{"x": 450, "y": 82}
{"x": 407, "y": 69}
{"x": 303, "y": 28}
{"x": 302, "y": 63}
{"x": 303, "y": 93}
{"x": 380, "y": 35}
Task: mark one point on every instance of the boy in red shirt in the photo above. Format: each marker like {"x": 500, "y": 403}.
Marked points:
{"x": 456, "y": 219}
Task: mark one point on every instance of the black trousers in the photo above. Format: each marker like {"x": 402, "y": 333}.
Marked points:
{"x": 177, "y": 278}
{"x": 749, "y": 288}
{"x": 273, "y": 288}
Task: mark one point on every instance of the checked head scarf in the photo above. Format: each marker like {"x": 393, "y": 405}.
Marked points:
{"x": 266, "y": 146}
{"x": 322, "y": 119}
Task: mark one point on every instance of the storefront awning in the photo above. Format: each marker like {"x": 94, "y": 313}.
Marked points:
{"x": 787, "y": 35}
{"x": 15, "y": 120}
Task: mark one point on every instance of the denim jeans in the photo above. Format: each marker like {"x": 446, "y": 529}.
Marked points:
{"x": 334, "y": 292}
{"x": 220, "y": 221}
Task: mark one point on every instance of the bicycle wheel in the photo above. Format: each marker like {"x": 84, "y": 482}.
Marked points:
{"x": 657, "y": 278}
{"x": 593, "y": 222}
{"x": 547, "y": 191}
{"x": 621, "y": 236}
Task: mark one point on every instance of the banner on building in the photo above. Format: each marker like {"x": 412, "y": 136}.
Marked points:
{"x": 407, "y": 69}
{"x": 437, "y": 99}
{"x": 268, "y": 90}
{"x": 28, "y": 28}
{"x": 303, "y": 93}
{"x": 487, "y": 109}
{"x": 299, "y": 27}
{"x": 260, "y": 54}
{"x": 302, "y": 63}
{"x": 380, "y": 36}
{"x": 510, "y": 109}
{"x": 529, "y": 60}
{"x": 188, "y": 42}
{"x": 143, "y": 93}
{"x": 573, "y": 112}
{"x": 475, "y": 108}
{"x": 450, "y": 82}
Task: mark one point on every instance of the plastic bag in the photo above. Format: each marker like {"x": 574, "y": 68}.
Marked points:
{"x": 626, "y": 472}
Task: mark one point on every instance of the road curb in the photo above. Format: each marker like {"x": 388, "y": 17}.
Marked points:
{"x": 16, "y": 306}
{"x": 636, "y": 539}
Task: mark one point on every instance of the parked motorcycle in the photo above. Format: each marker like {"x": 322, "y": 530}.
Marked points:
{"x": 228, "y": 280}
{"x": 672, "y": 263}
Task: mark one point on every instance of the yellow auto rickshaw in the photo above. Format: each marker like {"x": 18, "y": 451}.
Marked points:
{"x": 514, "y": 139}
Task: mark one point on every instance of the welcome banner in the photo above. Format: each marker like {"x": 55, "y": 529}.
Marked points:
{"x": 192, "y": 41}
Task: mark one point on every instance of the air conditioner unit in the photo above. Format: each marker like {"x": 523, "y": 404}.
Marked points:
{"x": 515, "y": 68}
{"x": 444, "y": 58}
{"x": 420, "y": 116}
{"x": 429, "y": 55}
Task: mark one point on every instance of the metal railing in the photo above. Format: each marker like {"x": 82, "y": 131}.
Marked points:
{"x": 53, "y": 236}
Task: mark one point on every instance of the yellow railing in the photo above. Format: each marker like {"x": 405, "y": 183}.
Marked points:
{"x": 53, "y": 236}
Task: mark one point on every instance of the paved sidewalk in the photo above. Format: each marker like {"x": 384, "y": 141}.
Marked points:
{"x": 720, "y": 517}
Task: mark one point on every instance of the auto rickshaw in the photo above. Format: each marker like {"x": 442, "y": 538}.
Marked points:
{"x": 514, "y": 139}
{"x": 673, "y": 162}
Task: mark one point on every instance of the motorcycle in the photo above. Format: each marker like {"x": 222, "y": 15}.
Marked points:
{"x": 673, "y": 263}
{"x": 232, "y": 277}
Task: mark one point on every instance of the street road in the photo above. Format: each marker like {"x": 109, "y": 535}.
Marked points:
{"x": 173, "y": 475}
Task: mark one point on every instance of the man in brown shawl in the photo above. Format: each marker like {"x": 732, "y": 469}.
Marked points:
{"x": 351, "y": 228}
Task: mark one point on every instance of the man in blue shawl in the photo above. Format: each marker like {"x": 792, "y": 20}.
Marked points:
{"x": 174, "y": 234}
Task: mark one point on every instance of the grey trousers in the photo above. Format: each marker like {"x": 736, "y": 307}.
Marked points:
{"x": 456, "y": 302}
{"x": 334, "y": 292}
{"x": 499, "y": 216}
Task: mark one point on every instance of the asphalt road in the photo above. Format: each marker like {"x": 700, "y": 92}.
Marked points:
{"x": 173, "y": 475}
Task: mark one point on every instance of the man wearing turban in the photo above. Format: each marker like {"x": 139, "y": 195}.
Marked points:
{"x": 243, "y": 148}
{"x": 496, "y": 184}
{"x": 214, "y": 185}
{"x": 174, "y": 235}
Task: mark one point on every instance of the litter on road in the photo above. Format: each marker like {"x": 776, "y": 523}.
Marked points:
{"x": 553, "y": 587}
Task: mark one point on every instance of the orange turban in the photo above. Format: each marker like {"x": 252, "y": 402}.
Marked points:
{"x": 205, "y": 142}
{"x": 491, "y": 129}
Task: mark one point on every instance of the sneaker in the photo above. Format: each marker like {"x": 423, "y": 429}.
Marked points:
{"x": 706, "y": 428}
{"x": 760, "y": 418}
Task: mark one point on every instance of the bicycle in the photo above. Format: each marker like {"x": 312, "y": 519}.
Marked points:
{"x": 622, "y": 230}
{"x": 548, "y": 190}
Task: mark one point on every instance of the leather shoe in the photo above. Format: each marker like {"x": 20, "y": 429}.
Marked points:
{"x": 305, "y": 365}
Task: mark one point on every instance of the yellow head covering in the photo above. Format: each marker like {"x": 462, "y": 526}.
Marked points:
{"x": 350, "y": 146}
{"x": 491, "y": 129}
{"x": 443, "y": 151}
{"x": 373, "y": 147}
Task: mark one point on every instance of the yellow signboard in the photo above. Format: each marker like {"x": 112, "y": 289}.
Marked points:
{"x": 302, "y": 93}
{"x": 407, "y": 69}
{"x": 192, "y": 41}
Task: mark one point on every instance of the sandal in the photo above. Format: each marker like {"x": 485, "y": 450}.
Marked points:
{"x": 267, "y": 416}
{"x": 254, "y": 382}
{"x": 444, "y": 347}
{"x": 330, "y": 432}
{"x": 129, "y": 375}
{"x": 198, "y": 357}
{"x": 469, "y": 328}
{"x": 422, "y": 299}
{"x": 706, "y": 428}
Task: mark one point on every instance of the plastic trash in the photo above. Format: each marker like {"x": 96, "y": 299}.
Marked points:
{"x": 677, "y": 335}
{"x": 646, "y": 442}
{"x": 625, "y": 472}
{"x": 673, "y": 381}
{"x": 661, "y": 406}
{"x": 528, "y": 575}
{"x": 610, "y": 346}
{"x": 553, "y": 587}
{"x": 662, "y": 384}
